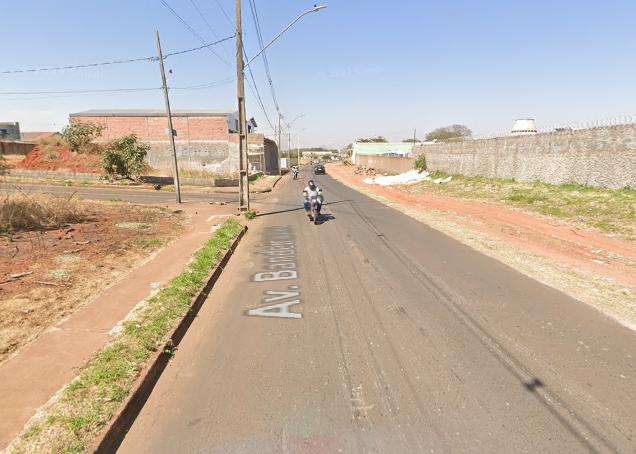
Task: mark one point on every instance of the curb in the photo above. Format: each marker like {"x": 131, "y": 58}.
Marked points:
{"x": 113, "y": 434}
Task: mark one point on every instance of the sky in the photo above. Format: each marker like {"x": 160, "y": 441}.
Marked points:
{"x": 355, "y": 69}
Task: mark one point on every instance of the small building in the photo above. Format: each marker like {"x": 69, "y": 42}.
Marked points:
{"x": 10, "y": 131}
{"x": 205, "y": 139}
{"x": 396, "y": 149}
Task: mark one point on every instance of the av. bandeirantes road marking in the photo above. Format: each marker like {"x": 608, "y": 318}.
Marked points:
{"x": 280, "y": 265}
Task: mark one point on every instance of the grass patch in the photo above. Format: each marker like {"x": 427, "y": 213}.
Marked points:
{"x": 88, "y": 403}
{"x": 608, "y": 210}
{"x": 250, "y": 214}
{"x": 147, "y": 243}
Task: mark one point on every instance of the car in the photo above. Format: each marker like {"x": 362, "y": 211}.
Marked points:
{"x": 319, "y": 169}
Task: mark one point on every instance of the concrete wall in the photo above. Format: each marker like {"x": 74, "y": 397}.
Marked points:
{"x": 386, "y": 163}
{"x": 602, "y": 157}
{"x": 213, "y": 157}
{"x": 15, "y": 148}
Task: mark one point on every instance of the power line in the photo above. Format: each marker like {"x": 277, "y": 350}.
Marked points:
{"x": 192, "y": 30}
{"x": 227, "y": 17}
{"x": 117, "y": 62}
{"x": 265, "y": 61}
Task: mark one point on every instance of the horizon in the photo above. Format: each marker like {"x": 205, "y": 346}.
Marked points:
{"x": 353, "y": 71}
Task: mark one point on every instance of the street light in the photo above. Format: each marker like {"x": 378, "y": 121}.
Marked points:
{"x": 298, "y": 144}
{"x": 289, "y": 134}
{"x": 244, "y": 193}
{"x": 291, "y": 24}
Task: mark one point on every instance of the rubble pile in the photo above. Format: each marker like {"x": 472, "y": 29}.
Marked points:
{"x": 364, "y": 170}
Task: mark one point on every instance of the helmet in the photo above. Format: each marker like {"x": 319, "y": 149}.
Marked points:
{"x": 311, "y": 184}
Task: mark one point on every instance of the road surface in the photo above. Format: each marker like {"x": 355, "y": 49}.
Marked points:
{"x": 374, "y": 333}
{"x": 144, "y": 196}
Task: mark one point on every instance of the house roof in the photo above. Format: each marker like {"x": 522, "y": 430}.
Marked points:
{"x": 36, "y": 135}
{"x": 153, "y": 113}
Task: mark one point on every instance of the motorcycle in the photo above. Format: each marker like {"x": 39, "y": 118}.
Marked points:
{"x": 314, "y": 210}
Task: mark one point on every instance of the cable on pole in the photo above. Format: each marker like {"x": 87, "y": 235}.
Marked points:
{"x": 117, "y": 62}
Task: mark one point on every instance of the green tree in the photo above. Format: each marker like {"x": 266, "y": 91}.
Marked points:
{"x": 449, "y": 133}
{"x": 376, "y": 139}
{"x": 411, "y": 140}
{"x": 79, "y": 136}
{"x": 124, "y": 158}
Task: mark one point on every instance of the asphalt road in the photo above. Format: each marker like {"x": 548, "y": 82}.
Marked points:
{"x": 143, "y": 196}
{"x": 374, "y": 333}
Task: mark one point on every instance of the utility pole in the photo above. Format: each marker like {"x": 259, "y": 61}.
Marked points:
{"x": 289, "y": 148}
{"x": 280, "y": 145}
{"x": 244, "y": 190}
{"x": 175, "y": 169}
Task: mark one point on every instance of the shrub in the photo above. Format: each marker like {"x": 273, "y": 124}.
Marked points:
{"x": 420, "y": 162}
{"x": 4, "y": 166}
{"x": 124, "y": 158}
{"x": 79, "y": 136}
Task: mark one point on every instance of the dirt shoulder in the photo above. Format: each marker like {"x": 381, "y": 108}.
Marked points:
{"x": 61, "y": 269}
{"x": 567, "y": 253}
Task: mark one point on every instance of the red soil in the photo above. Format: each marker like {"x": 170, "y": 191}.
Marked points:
{"x": 60, "y": 159}
{"x": 586, "y": 250}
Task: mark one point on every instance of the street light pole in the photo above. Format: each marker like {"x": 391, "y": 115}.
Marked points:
{"x": 244, "y": 192}
{"x": 175, "y": 168}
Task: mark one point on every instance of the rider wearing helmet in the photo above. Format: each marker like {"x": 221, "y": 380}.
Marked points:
{"x": 310, "y": 192}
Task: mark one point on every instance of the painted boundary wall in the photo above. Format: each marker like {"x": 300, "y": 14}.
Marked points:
{"x": 386, "y": 163}
{"x": 601, "y": 157}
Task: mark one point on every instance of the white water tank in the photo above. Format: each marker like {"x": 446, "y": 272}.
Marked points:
{"x": 524, "y": 127}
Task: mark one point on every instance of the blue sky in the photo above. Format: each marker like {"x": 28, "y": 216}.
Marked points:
{"x": 356, "y": 69}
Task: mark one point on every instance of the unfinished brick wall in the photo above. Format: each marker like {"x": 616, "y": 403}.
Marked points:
{"x": 153, "y": 129}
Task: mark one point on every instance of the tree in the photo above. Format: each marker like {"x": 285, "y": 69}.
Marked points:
{"x": 79, "y": 136}
{"x": 124, "y": 158}
{"x": 411, "y": 140}
{"x": 449, "y": 133}
{"x": 376, "y": 139}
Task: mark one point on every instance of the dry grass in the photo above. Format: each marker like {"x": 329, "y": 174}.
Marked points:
{"x": 23, "y": 211}
{"x": 71, "y": 422}
{"x": 611, "y": 211}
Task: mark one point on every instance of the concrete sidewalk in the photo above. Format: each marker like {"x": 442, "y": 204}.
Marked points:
{"x": 37, "y": 371}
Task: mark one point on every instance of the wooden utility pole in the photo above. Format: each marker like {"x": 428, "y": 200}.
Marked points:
{"x": 244, "y": 190}
{"x": 280, "y": 145}
{"x": 170, "y": 131}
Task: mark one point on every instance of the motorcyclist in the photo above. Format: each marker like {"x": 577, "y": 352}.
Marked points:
{"x": 312, "y": 191}
{"x": 294, "y": 172}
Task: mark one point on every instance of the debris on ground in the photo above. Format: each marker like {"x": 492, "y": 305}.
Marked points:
{"x": 364, "y": 170}
{"x": 443, "y": 180}
{"x": 410, "y": 177}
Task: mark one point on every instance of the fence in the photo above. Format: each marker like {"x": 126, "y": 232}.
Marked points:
{"x": 603, "y": 156}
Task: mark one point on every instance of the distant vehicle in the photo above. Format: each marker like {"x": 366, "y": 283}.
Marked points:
{"x": 319, "y": 169}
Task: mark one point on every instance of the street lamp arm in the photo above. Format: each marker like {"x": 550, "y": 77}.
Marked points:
{"x": 291, "y": 24}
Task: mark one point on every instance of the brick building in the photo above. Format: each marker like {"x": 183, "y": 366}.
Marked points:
{"x": 205, "y": 139}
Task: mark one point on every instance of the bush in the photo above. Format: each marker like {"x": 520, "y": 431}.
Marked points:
{"x": 79, "y": 137}
{"x": 4, "y": 167}
{"x": 124, "y": 158}
{"x": 420, "y": 162}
